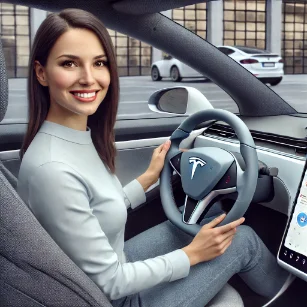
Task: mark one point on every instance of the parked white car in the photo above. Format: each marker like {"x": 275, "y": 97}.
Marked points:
{"x": 172, "y": 68}
{"x": 266, "y": 66}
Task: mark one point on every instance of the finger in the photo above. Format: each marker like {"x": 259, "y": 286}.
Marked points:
{"x": 232, "y": 225}
{"x": 227, "y": 244}
{"x": 159, "y": 148}
{"x": 165, "y": 147}
{"x": 214, "y": 222}
{"x": 228, "y": 234}
{"x": 183, "y": 149}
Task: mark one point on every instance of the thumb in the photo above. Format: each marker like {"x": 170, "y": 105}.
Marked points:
{"x": 166, "y": 147}
{"x": 215, "y": 222}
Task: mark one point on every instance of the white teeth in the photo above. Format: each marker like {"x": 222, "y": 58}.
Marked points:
{"x": 85, "y": 95}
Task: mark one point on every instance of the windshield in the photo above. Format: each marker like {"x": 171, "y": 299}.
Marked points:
{"x": 255, "y": 27}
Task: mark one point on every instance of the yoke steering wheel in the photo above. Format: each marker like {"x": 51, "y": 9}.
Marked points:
{"x": 207, "y": 172}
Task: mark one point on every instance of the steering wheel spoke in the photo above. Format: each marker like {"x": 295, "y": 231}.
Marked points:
{"x": 193, "y": 209}
{"x": 175, "y": 162}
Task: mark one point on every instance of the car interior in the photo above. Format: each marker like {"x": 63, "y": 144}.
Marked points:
{"x": 36, "y": 272}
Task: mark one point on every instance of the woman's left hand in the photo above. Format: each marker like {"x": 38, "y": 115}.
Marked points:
{"x": 152, "y": 174}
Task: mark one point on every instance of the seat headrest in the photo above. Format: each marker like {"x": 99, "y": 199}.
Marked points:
{"x": 3, "y": 85}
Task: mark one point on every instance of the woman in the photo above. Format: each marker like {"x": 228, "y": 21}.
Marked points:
{"x": 67, "y": 178}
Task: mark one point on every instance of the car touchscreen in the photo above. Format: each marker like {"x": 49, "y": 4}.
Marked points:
{"x": 293, "y": 250}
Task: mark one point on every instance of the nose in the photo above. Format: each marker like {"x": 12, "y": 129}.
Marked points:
{"x": 86, "y": 76}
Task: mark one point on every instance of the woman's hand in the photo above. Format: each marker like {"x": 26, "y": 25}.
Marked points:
{"x": 152, "y": 174}
{"x": 211, "y": 242}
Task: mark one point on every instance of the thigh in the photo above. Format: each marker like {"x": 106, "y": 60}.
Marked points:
{"x": 205, "y": 279}
{"x": 156, "y": 241}
{"x": 163, "y": 238}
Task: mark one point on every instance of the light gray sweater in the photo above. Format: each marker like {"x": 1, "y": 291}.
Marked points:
{"x": 84, "y": 209}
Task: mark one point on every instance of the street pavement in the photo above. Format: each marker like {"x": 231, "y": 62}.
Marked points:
{"x": 135, "y": 92}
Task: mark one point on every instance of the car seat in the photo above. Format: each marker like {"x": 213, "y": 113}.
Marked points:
{"x": 34, "y": 271}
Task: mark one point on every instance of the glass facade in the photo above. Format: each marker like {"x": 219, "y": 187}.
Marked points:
{"x": 15, "y": 36}
{"x": 133, "y": 56}
{"x": 294, "y": 37}
{"x": 245, "y": 23}
{"x": 192, "y": 17}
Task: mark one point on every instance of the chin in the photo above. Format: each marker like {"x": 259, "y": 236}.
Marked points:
{"x": 86, "y": 111}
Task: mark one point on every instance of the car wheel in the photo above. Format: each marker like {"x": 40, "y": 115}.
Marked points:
{"x": 276, "y": 81}
{"x": 155, "y": 74}
{"x": 175, "y": 75}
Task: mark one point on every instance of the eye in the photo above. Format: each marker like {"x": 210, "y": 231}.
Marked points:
{"x": 68, "y": 64}
{"x": 101, "y": 63}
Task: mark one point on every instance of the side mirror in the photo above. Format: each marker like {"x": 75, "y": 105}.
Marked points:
{"x": 183, "y": 100}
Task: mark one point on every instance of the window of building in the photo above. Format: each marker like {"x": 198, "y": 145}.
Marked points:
{"x": 133, "y": 56}
{"x": 245, "y": 23}
{"x": 15, "y": 37}
{"x": 294, "y": 37}
{"x": 192, "y": 17}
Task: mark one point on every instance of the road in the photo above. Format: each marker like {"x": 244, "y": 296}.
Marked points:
{"x": 135, "y": 91}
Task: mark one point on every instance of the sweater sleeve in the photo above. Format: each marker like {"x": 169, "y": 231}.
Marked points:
{"x": 59, "y": 199}
{"x": 134, "y": 194}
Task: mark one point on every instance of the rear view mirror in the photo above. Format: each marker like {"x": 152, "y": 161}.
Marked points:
{"x": 178, "y": 100}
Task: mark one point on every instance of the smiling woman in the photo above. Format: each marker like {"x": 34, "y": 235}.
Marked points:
{"x": 61, "y": 50}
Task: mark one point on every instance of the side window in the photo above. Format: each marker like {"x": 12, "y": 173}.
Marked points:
{"x": 229, "y": 51}
{"x": 222, "y": 49}
{"x": 226, "y": 51}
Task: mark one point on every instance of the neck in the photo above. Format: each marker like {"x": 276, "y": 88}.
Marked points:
{"x": 68, "y": 119}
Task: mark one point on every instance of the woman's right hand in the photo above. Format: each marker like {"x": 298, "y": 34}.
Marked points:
{"x": 211, "y": 242}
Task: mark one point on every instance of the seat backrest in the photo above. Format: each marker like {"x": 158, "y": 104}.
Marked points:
{"x": 34, "y": 271}
{"x": 8, "y": 175}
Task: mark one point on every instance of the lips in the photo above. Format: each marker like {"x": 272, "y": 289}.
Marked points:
{"x": 85, "y": 95}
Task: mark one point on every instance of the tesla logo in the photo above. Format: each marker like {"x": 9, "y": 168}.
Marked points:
{"x": 196, "y": 162}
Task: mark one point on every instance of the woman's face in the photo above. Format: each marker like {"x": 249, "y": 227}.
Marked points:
{"x": 76, "y": 74}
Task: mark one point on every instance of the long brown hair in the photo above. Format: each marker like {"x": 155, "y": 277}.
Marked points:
{"x": 103, "y": 120}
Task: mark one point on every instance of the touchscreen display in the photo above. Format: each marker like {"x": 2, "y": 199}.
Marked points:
{"x": 296, "y": 239}
{"x": 294, "y": 248}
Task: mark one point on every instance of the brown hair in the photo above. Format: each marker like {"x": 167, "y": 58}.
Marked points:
{"x": 103, "y": 120}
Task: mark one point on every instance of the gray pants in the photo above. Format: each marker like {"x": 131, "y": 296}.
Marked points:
{"x": 247, "y": 256}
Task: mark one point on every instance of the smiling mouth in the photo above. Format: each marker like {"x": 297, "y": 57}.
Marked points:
{"x": 85, "y": 96}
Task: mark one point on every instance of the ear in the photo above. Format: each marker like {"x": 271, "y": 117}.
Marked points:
{"x": 40, "y": 73}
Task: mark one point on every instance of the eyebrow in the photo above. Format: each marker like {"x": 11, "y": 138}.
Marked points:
{"x": 74, "y": 57}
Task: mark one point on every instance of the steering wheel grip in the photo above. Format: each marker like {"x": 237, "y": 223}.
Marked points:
{"x": 245, "y": 188}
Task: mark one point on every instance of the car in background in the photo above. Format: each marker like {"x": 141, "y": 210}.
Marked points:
{"x": 266, "y": 66}
{"x": 172, "y": 68}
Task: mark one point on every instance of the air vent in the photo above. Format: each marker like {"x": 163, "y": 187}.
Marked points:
{"x": 298, "y": 145}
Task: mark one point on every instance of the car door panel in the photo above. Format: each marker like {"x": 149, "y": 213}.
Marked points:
{"x": 165, "y": 68}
